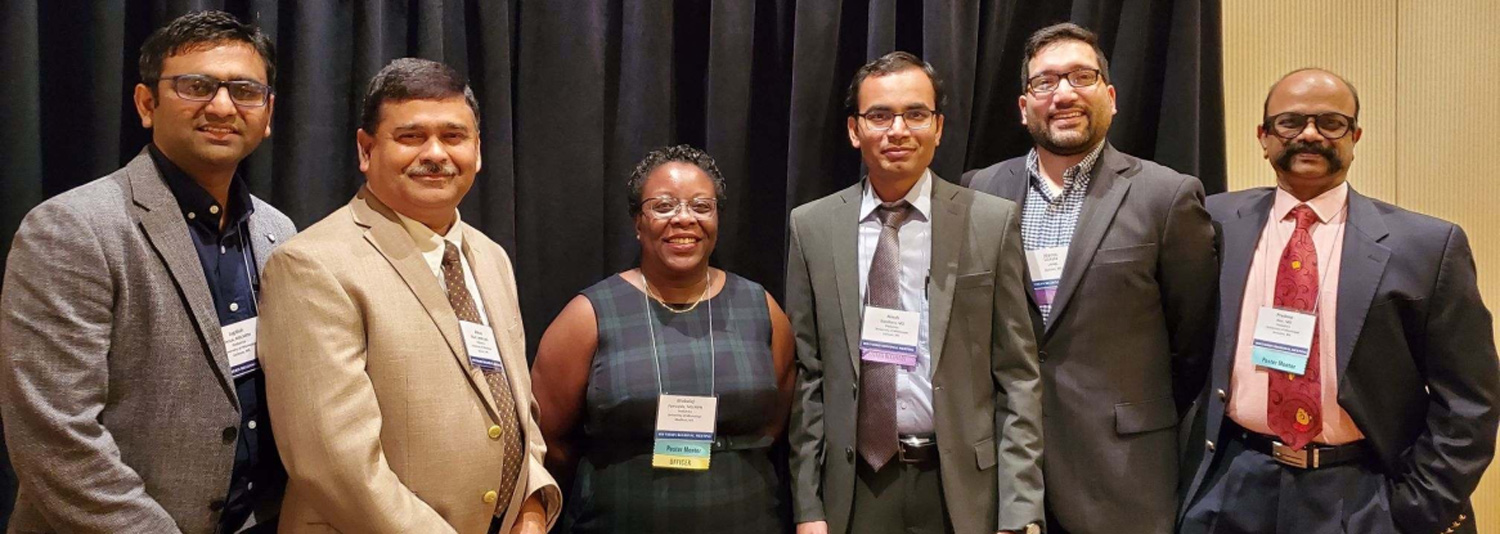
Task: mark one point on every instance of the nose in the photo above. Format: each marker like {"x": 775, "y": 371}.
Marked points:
{"x": 682, "y": 216}
{"x": 899, "y": 128}
{"x": 1065, "y": 92}
{"x": 221, "y": 105}
{"x": 1309, "y": 132}
{"x": 434, "y": 150}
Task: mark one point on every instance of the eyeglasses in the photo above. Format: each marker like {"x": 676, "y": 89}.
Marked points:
{"x": 1044, "y": 84}
{"x": 884, "y": 119}
{"x": 663, "y": 208}
{"x": 203, "y": 88}
{"x": 1331, "y": 125}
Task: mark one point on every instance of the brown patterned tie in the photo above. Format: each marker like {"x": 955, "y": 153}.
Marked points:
{"x": 876, "y": 430}
{"x": 509, "y": 427}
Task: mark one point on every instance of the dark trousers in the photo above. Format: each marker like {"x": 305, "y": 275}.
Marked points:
{"x": 1248, "y": 492}
{"x": 900, "y": 499}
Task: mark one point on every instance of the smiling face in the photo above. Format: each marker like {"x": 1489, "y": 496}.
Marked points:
{"x": 681, "y": 243}
{"x": 1069, "y": 120}
{"x": 422, "y": 157}
{"x": 205, "y": 138}
{"x": 1309, "y": 163}
{"x": 899, "y": 153}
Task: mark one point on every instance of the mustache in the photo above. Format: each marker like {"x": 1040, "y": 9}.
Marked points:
{"x": 432, "y": 168}
{"x": 1284, "y": 161}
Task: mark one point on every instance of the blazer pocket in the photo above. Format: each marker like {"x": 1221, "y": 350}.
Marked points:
{"x": 1145, "y": 416}
{"x": 984, "y": 453}
{"x": 986, "y": 278}
{"x": 1105, "y": 256}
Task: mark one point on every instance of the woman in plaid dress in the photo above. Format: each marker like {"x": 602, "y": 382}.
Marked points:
{"x": 673, "y": 326}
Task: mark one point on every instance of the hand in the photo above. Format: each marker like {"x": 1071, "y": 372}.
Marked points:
{"x": 813, "y": 527}
{"x": 525, "y": 526}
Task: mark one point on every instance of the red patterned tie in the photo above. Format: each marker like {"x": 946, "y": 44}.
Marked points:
{"x": 1294, "y": 405}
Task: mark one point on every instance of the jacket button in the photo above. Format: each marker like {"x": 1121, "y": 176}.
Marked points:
{"x": 1041, "y": 355}
{"x": 849, "y": 454}
{"x": 1222, "y": 394}
{"x": 494, "y": 432}
{"x": 230, "y": 433}
{"x": 854, "y": 389}
{"x": 216, "y": 505}
{"x": 1210, "y": 446}
{"x": 490, "y": 497}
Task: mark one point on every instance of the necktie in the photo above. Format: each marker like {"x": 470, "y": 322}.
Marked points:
{"x": 877, "y": 381}
{"x": 1294, "y": 404}
{"x": 509, "y": 427}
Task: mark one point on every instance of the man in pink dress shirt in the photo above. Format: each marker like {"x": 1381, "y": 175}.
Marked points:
{"x": 1355, "y": 376}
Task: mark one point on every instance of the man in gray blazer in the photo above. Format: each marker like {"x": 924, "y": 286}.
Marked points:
{"x": 1381, "y": 418}
{"x": 917, "y": 404}
{"x": 1121, "y": 272}
{"x": 128, "y": 383}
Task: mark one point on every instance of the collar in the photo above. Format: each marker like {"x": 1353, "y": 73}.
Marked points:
{"x": 429, "y": 242}
{"x": 199, "y": 207}
{"x": 1072, "y": 175}
{"x": 920, "y": 197}
{"x": 1327, "y": 206}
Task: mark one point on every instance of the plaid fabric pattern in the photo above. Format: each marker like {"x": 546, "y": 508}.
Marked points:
{"x": 1048, "y": 221}
{"x": 615, "y": 489}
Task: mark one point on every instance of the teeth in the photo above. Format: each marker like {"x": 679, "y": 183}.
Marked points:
{"x": 682, "y": 240}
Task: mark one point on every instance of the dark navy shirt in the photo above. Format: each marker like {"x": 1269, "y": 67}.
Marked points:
{"x": 229, "y": 266}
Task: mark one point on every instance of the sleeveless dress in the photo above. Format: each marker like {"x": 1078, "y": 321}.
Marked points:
{"x": 615, "y": 489}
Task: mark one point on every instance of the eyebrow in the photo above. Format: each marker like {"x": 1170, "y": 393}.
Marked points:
{"x": 448, "y": 125}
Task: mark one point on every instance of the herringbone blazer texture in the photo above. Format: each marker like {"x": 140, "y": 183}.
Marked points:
{"x": 114, "y": 383}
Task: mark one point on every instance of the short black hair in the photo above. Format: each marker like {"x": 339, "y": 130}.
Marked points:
{"x": 201, "y": 30}
{"x": 636, "y": 186}
{"x": 1265, "y": 107}
{"x": 410, "y": 78}
{"x": 892, "y": 63}
{"x": 1062, "y": 31}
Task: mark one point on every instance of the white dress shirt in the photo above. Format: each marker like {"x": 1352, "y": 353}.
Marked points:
{"x": 913, "y": 386}
{"x": 430, "y": 244}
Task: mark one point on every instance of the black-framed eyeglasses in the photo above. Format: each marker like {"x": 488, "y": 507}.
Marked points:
{"x": 884, "y": 119}
{"x": 667, "y": 207}
{"x": 1043, "y": 84}
{"x": 202, "y": 88}
{"x": 1331, "y": 125}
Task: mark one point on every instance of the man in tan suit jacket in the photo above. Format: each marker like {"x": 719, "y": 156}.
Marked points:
{"x": 392, "y": 340}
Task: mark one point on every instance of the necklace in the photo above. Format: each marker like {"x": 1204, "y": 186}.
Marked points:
{"x": 707, "y": 278}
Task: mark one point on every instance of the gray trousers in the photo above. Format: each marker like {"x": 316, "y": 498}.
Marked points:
{"x": 900, "y": 499}
{"x": 1248, "y": 492}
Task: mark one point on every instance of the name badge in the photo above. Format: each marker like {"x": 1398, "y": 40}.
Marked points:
{"x": 479, "y": 342}
{"x": 239, "y": 344}
{"x": 890, "y": 336}
{"x": 1283, "y": 339}
{"x": 1046, "y": 268}
{"x": 684, "y": 432}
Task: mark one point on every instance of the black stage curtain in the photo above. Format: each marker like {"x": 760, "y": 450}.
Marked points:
{"x": 574, "y": 93}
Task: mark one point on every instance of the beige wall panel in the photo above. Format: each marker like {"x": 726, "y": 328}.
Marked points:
{"x": 1264, "y": 39}
{"x": 1449, "y": 67}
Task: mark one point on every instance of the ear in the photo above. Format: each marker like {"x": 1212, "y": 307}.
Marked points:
{"x": 145, "y": 104}
{"x": 1021, "y": 106}
{"x": 937, "y": 130}
{"x": 1265, "y": 141}
{"x": 1113, "y": 109}
{"x": 478, "y": 153}
{"x": 1358, "y": 133}
{"x": 362, "y": 143}
{"x": 853, "y": 125}
{"x": 270, "y": 113}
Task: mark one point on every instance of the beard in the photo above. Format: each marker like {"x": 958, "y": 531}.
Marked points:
{"x": 1284, "y": 160}
{"x": 1067, "y": 142}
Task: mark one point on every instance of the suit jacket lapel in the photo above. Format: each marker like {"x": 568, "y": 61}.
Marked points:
{"x": 1013, "y": 183}
{"x": 1362, "y": 264}
{"x": 1241, "y": 236}
{"x": 845, "y": 243}
{"x": 383, "y": 230}
{"x": 1106, "y": 191}
{"x": 161, "y": 219}
{"x": 950, "y": 230}
{"x": 496, "y": 298}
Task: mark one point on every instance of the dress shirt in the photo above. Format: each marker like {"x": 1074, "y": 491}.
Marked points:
{"x": 913, "y": 386}
{"x": 1050, "y": 213}
{"x": 430, "y": 244}
{"x": 228, "y": 262}
{"x": 1248, "y": 383}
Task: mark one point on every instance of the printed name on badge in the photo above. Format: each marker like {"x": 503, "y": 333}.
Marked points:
{"x": 684, "y": 432}
{"x": 239, "y": 345}
{"x": 479, "y": 342}
{"x": 1283, "y": 339}
{"x": 1046, "y": 267}
{"x": 890, "y": 336}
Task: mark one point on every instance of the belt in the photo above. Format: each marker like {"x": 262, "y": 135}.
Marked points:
{"x": 917, "y": 449}
{"x": 1311, "y": 456}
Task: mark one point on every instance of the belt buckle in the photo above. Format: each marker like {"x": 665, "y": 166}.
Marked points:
{"x": 911, "y": 442}
{"x": 1298, "y": 458}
